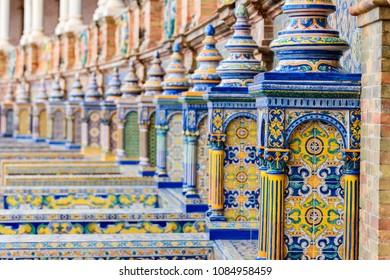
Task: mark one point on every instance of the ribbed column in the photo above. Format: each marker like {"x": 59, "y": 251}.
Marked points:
{"x": 209, "y": 202}
{"x": 37, "y": 21}
{"x": 263, "y": 206}
{"x": 275, "y": 216}
{"x": 351, "y": 204}
{"x": 192, "y": 143}
{"x": 144, "y": 140}
{"x": 216, "y": 184}
{"x": 161, "y": 169}
{"x": 63, "y": 19}
{"x": 27, "y": 21}
{"x": 84, "y": 133}
{"x": 185, "y": 164}
{"x": 4, "y": 24}
{"x": 275, "y": 188}
{"x": 216, "y": 163}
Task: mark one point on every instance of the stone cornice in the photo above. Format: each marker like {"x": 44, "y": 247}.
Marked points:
{"x": 365, "y": 6}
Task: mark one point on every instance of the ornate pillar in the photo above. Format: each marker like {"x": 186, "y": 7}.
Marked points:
{"x": 144, "y": 130}
{"x": 192, "y": 144}
{"x": 37, "y": 21}
{"x": 276, "y": 160}
{"x": 263, "y": 203}
{"x": 351, "y": 203}
{"x": 27, "y": 21}
{"x": 216, "y": 163}
{"x": 185, "y": 163}
{"x": 4, "y": 24}
{"x": 161, "y": 133}
{"x": 120, "y": 149}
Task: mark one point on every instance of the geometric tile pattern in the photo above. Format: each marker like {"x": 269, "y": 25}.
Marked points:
{"x": 94, "y": 130}
{"x": 175, "y": 148}
{"x": 131, "y": 139}
{"x": 314, "y": 196}
{"x": 58, "y": 125}
{"x": 241, "y": 172}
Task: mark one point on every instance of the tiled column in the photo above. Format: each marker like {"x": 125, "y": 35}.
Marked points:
{"x": 374, "y": 226}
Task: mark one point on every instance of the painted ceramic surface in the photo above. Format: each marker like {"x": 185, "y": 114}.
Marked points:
{"x": 314, "y": 197}
{"x": 132, "y": 136}
{"x": 241, "y": 173}
{"x": 113, "y": 132}
{"x": 10, "y": 122}
{"x": 42, "y": 124}
{"x": 58, "y": 125}
{"x": 152, "y": 141}
{"x": 94, "y": 130}
{"x": 202, "y": 163}
{"x": 24, "y": 122}
{"x": 77, "y": 127}
{"x": 169, "y": 18}
{"x": 342, "y": 21}
{"x": 175, "y": 148}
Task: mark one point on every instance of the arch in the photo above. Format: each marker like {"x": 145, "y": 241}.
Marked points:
{"x": 313, "y": 194}
{"x": 172, "y": 114}
{"x": 42, "y": 124}
{"x": 24, "y": 122}
{"x": 241, "y": 182}
{"x": 131, "y": 111}
{"x": 311, "y": 117}
{"x": 152, "y": 143}
{"x": 200, "y": 120}
{"x": 237, "y": 115}
{"x": 131, "y": 136}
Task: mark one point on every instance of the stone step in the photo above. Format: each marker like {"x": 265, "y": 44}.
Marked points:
{"x": 114, "y": 246}
{"x": 81, "y": 197}
{"x": 58, "y": 168}
{"x": 98, "y": 221}
{"x": 78, "y": 180}
{"x": 51, "y": 162}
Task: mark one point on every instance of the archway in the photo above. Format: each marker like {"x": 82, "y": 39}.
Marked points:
{"x": 314, "y": 196}
{"x": 241, "y": 172}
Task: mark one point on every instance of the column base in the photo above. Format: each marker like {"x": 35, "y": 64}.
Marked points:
{"x": 146, "y": 171}
{"x": 72, "y": 146}
{"x": 217, "y": 217}
{"x": 233, "y": 230}
{"x": 28, "y": 137}
{"x": 55, "y": 142}
{"x": 39, "y": 140}
{"x": 167, "y": 184}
